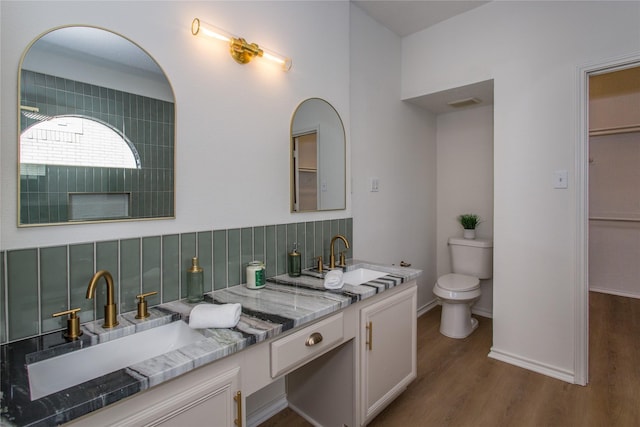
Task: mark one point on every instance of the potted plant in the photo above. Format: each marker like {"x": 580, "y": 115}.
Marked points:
{"x": 469, "y": 222}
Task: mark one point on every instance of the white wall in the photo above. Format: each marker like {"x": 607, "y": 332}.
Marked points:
{"x": 533, "y": 51}
{"x": 394, "y": 142}
{"x": 465, "y": 184}
{"x": 232, "y": 120}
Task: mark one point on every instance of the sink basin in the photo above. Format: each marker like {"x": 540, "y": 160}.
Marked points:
{"x": 60, "y": 372}
{"x": 361, "y": 275}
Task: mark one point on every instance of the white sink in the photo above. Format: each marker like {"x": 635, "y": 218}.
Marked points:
{"x": 361, "y": 275}
{"x": 60, "y": 372}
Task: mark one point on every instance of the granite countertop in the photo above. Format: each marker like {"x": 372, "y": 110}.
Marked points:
{"x": 283, "y": 304}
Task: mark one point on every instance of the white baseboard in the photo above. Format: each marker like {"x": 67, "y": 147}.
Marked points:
{"x": 427, "y": 307}
{"x": 433, "y": 304}
{"x": 267, "y": 411}
{"x": 533, "y": 365}
{"x": 310, "y": 420}
{"x": 614, "y": 292}
{"x": 482, "y": 312}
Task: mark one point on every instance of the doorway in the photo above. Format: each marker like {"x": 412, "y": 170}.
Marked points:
{"x": 614, "y": 181}
{"x": 584, "y": 214}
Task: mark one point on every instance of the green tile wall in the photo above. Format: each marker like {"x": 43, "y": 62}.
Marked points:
{"x": 22, "y": 298}
{"x": 205, "y": 257}
{"x": 107, "y": 255}
{"x": 53, "y": 287}
{"x": 188, "y": 251}
{"x": 3, "y": 314}
{"x": 37, "y": 282}
{"x": 81, "y": 269}
{"x": 220, "y": 259}
{"x": 151, "y": 268}
{"x": 170, "y": 268}
{"x": 130, "y": 277}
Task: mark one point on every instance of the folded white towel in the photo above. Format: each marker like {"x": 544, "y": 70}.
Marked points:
{"x": 214, "y": 316}
{"x": 333, "y": 280}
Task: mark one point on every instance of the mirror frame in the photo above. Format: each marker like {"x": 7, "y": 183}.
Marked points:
{"x": 292, "y": 189}
{"x": 170, "y": 89}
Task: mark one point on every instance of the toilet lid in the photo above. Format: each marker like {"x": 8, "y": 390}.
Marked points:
{"x": 458, "y": 282}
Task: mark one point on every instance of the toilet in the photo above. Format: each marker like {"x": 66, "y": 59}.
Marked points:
{"x": 471, "y": 261}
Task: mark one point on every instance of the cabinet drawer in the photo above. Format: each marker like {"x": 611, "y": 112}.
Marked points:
{"x": 306, "y": 344}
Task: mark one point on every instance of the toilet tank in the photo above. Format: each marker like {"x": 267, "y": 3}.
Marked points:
{"x": 473, "y": 257}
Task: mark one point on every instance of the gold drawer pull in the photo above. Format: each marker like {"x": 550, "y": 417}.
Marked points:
{"x": 313, "y": 339}
{"x": 370, "y": 335}
{"x": 238, "y": 399}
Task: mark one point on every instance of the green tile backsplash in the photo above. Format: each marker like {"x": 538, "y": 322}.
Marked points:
{"x": 130, "y": 278}
{"x": 37, "y": 282}
{"x": 205, "y": 256}
{"x": 170, "y": 267}
{"x": 219, "y": 259}
{"x": 3, "y": 316}
{"x": 53, "y": 287}
{"x": 22, "y": 298}
{"x": 151, "y": 268}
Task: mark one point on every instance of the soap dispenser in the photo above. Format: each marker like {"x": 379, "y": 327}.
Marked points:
{"x": 294, "y": 262}
{"x": 195, "y": 282}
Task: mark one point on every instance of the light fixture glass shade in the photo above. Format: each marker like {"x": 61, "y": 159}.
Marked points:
{"x": 241, "y": 51}
{"x": 199, "y": 27}
{"x": 279, "y": 59}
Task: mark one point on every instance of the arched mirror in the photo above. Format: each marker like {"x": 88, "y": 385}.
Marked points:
{"x": 318, "y": 158}
{"x": 96, "y": 130}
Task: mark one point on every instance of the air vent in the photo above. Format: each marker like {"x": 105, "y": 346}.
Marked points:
{"x": 466, "y": 102}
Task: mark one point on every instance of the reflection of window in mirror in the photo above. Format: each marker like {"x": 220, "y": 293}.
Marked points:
{"x": 306, "y": 171}
{"x": 76, "y": 141}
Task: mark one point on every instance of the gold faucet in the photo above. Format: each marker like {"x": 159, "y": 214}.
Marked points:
{"x": 110, "y": 318}
{"x": 332, "y": 257}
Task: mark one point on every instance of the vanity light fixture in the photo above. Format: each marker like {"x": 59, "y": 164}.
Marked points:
{"x": 241, "y": 50}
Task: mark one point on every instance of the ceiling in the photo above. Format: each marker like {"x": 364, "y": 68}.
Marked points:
{"x": 407, "y": 17}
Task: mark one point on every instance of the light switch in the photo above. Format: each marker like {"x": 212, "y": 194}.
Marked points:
{"x": 375, "y": 185}
{"x": 561, "y": 179}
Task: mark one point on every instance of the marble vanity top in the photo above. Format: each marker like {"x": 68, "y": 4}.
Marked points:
{"x": 283, "y": 304}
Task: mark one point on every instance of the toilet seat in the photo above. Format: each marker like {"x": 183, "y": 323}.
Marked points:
{"x": 458, "y": 287}
{"x": 458, "y": 282}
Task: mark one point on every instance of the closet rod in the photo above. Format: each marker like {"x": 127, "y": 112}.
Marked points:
{"x": 603, "y": 218}
{"x": 614, "y": 130}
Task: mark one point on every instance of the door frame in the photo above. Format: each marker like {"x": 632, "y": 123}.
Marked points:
{"x": 581, "y": 294}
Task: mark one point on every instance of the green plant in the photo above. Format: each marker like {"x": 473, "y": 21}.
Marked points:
{"x": 469, "y": 221}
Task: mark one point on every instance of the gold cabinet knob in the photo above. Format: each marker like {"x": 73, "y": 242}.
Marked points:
{"x": 143, "y": 313}
{"x": 73, "y": 323}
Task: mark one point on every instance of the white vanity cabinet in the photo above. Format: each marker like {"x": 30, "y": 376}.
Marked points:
{"x": 387, "y": 350}
{"x": 209, "y": 396}
{"x": 342, "y": 369}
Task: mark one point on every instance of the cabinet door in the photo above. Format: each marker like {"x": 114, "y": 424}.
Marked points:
{"x": 388, "y": 350}
{"x": 205, "y": 397}
{"x": 215, "y": 403}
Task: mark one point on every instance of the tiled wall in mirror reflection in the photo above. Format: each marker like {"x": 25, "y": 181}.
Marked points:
{"x": 37, "y": 282}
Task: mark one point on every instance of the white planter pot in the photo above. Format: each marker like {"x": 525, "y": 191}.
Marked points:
{"x": 469, "y": 234}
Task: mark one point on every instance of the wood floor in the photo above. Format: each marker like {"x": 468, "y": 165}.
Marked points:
{"x": 458, "y": 385}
